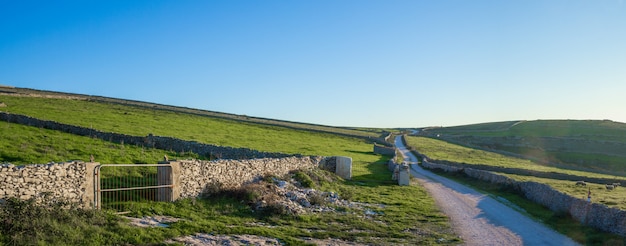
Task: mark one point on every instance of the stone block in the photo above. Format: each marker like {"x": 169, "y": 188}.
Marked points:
{"x": 344, "y": 167}
{"x": 404, "y": 177}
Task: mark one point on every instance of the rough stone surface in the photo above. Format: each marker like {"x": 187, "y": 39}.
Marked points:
{"x": 382, "y": 150}
{"x": 66, "y": 181}
{"x": 198, "y": 176}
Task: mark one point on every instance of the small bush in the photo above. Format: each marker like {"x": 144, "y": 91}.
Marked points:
{"x": 274, "y": 209}
{"x": 346, "y": 194}
{"x": 317, "y": 199}
{"x": 304, "y": 179}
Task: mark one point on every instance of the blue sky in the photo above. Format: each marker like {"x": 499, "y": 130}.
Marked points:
{"x": 334, "y": 62}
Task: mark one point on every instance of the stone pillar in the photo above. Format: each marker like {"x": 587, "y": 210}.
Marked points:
{"x": 169, "y": 175}
{"x": 164, "y": 177}
{"x": 175, "y": 177}
{"x": 344, "y": 167}
{"x": 89, "y": 185}
{"x": 404, "y": 177}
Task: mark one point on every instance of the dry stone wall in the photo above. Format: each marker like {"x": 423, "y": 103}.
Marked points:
{"x": 199, "y": 176}
{"x": 381, "y": 150}
{"x": 74, "y": 181}
{"x": 593, "y": 214}
{"x": 71, "y": 182}
{"x": 159, "y": 142}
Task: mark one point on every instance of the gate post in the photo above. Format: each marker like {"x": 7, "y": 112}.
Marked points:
{"x": 175, "y": 178}
{"x": 168, "y": 175}
{"x": 344, "y": 167}
{"x": 164, "y": 177}
{"x": 90, "y": 193}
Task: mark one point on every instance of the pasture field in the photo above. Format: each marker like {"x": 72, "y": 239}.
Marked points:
{"x": 30, "y": 93}
{"x": 612, "y": 198}
{"x": 20, "y": 144}
{"x": 408, "y": 219}
{"x": 142, "y": 121}
{"x": 590, "y": 145}
{"x": 442, "y": 150}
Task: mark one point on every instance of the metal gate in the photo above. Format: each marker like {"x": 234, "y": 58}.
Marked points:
{"x": 117, "y": 186}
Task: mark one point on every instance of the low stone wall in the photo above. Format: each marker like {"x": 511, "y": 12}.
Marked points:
{"x": 166, "y": 143}
{"x": 72, "y": 182}
{"x": 592, "y": 214}
{"x": 381, "y": 150}
{"x": 198, "y": 176}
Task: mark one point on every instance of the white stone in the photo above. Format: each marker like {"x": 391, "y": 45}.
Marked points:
{"x": 344, "y": 167}
{"x": 404, "y": 178}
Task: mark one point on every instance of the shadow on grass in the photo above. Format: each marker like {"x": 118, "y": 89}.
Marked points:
{"x": 360, "y": 152}
{"x": 378, "y": 174}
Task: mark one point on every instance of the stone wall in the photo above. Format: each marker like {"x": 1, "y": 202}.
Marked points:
{"x": 592, "y": 214}
{"x": 72, "y": 182}
{"x": 199, "y": 176}
{"x": 382, "y": 150}
{"x": 166, "y": 143}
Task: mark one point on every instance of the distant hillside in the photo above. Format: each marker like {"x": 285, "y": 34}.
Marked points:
{"x": 23, "y": 144}
{"x": 591, "y": 145}
{"x": 373, "y": 134}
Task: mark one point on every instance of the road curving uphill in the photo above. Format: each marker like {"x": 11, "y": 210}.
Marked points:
{"x": 480, "y": 219}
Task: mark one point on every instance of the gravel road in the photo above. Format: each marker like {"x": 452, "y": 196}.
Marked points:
{"x": 479, "y": 219}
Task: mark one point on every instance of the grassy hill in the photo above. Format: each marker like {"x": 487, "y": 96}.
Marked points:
{"x": 589, "y": 145}
{"x": 31, "y": 93}
{"x": 407, "y": 220}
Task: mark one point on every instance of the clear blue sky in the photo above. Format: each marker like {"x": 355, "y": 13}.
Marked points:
{"x": 334, "y": 62}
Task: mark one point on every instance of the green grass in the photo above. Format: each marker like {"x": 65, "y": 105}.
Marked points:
{"x": 21, "y": 144}
{"x": 612, "y": 198}
{"x": 143, "y": 121}
{"x": 592, "y": 145}
{"x": 442, "y": 150}
{"x": 408, "y": 219}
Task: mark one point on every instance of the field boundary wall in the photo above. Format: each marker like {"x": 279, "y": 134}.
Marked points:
{"x": 382, "y": 150}
{"x": 74, "y": 181}
{"x": 159, "y": 142}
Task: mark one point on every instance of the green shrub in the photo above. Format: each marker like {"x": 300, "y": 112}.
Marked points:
{"x": 317, "y": 199}
{"x": 304, "y": 179}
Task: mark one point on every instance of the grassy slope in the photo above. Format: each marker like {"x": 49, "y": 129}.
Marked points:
{"x": 374, "y": 132}
{"x": 143, "y": 121}
{"x": 585, "y": 144}
{"x": 441, "y": 150}
{"x": 21, "y": 144}
{"x": 408, "y": 219}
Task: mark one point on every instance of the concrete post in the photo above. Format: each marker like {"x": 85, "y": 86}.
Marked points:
{"x": 404, "y": 178}
{"x": 89, "y": 185}
{"x": 164, "y": 177}
{"x": 169, "y": 175}
{"x": 175, "y": 177}
{"x": 344, "y": 167}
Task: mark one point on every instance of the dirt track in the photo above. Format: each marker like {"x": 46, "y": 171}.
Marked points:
{"x": 479, "y": 219}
